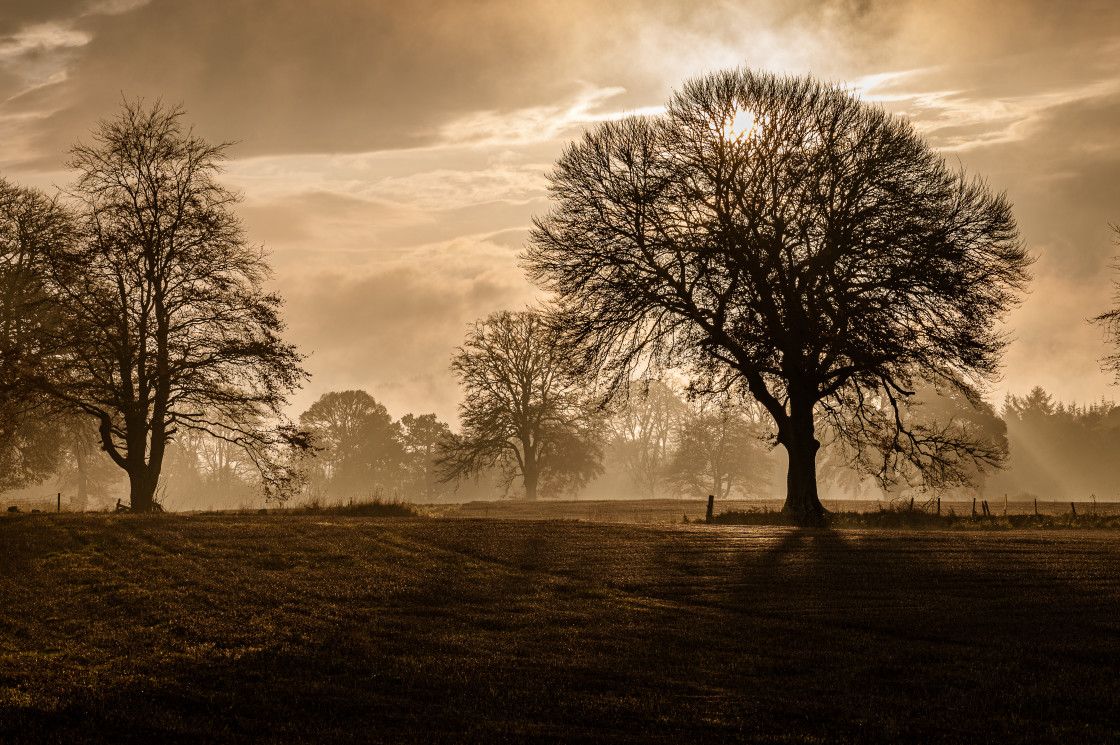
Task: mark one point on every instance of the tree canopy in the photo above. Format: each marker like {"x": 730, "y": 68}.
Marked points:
{"x": 721, "y": 449}
{"x": 164, "y": 322}
{"x": 524, "y": 412}
{"x": 779, "y": 237}
{"x": 359, "y": 442}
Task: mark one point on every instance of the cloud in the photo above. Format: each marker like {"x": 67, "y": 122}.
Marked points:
{"x": 336, "y": 76}
{"x": 40, "y": 42}
{"x": 391, "y": 329}
{"x": 392, "y": 154}
{"x": 321, "y": 211}
{"x": 1054, "y": 345}
{"x": 562, "y": 120}
{"x": 286, "y": 76}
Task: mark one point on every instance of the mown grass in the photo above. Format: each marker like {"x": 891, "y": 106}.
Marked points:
{"x": 330, "y": 628}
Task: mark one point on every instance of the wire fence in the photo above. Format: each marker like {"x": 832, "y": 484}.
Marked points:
{"x": 673, "y": 510}
{"x": 56, "y": 502}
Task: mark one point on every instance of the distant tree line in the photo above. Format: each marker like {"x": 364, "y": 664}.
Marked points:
{"x": 669, "y": 444}
{"x": 1060, "y": 450}
{"x": 533, "y": 418}
{"x": 363, "y": 453}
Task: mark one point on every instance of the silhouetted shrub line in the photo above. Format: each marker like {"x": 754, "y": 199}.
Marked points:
{"x": 370, "y": 508}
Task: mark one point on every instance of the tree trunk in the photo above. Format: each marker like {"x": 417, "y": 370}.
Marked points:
{"x": 531, "y": 478}
{"x": 142, "y": 484}
{"x": 530, "y": 467}
{"x": 799, "y": 438}
{"x": 83, "y": 475}
{"x": 717, "y": 487}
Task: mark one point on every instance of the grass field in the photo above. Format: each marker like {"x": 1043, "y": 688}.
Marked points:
{"x": 320, "y": 628}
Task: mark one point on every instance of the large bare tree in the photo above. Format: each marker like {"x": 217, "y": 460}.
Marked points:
{"x": 524, "y": 411}
{"x": 166, "y": 323}
{"x": 779, "y": 236}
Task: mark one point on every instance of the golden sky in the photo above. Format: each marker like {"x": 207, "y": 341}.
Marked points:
{"x": 391, "y": 154}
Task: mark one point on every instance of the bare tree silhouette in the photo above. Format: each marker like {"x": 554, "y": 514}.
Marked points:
{"x": 646, "y": 426}
{"x": 778, "y": 236}
{"x": 165, "y": 321}
{"x": 524, "y": 412}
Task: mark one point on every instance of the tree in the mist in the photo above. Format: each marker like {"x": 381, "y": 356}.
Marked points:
{"x": 165, "y": 321}
{"x": 32, "y": 448}
{"x": 645, "y": 425}
{"x": 1110, "y": 322}
{"x": 958, "y": 416}
{"x": 85, "y": 470}
{"x": 31, "y": 440}
{"x": 358, "y": 440}
{"x": 1060, "y": 449}
{"x": 420, "y": 438}
{"x": 935, "y": 412}
{"x": 778, "y": 235}
{"x": 720, "y": 449}
{"x": 524, "y": 410}
{"x": 203, "y": 470}
{"x": 1039, "y": 443}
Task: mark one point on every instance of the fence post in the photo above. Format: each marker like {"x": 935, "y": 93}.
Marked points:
{"x": 974, "y": 506}
{"x": 939, "y": 506}
{"x": 1036, "y": 506}
{"x": 60, "y": 501}
{"x": 1005, "y": 504}
{"x": 711, "y": 507}
{"x": 1072, "y": 509}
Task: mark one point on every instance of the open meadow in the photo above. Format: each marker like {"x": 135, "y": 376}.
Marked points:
{"x": 321, "y": 628}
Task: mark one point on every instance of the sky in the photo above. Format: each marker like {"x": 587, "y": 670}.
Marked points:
{"x": 391, "y": 155}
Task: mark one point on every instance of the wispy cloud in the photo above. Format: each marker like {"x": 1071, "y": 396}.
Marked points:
{"x": 538, "y": 123}
{"x": 1001, "y": 110}
{"x": 41, "y": 38}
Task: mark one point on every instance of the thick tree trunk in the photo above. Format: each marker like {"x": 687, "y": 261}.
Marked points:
{"x": 530, "y": 467}
{"x": 142, "y": 484}
{"x": 531, "y": 478}
{"x": 802, "y": 503}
